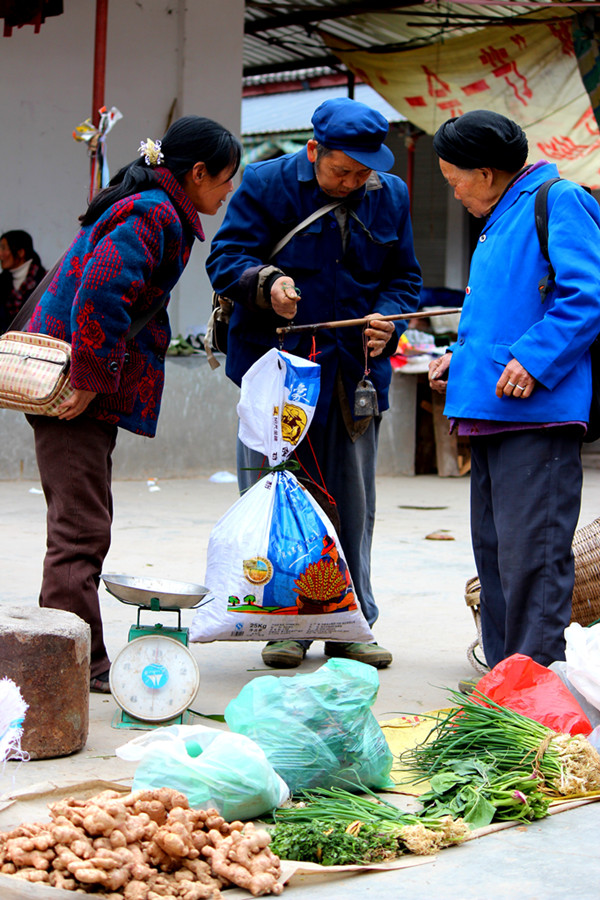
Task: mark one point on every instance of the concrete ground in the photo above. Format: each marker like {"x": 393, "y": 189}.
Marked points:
{"x": 162, "y": 528}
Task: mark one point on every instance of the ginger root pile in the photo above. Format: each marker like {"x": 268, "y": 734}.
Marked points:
{"x": 146, "y": 845}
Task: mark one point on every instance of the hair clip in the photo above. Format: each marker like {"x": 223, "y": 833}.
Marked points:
{"x": 150, "y": 150}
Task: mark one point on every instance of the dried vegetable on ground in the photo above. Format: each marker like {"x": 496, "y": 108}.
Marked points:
{"x": 145, "y": 845}
{"x": 335, "y": 827}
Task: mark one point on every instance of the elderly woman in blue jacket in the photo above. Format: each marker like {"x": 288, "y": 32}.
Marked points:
{"x": 518, "y": 379}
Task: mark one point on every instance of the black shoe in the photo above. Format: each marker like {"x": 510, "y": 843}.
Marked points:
{"x": 100, "y": 684}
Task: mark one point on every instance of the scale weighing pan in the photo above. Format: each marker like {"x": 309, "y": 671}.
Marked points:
{"x": 140, "y": 591}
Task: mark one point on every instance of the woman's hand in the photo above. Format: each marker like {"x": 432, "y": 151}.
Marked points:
{"x": 378, "y": 332}
{"x": 284, "y": 297}
{"x": 515, "y": 381}
{"x": 438, "y": 373}
{"x": 77, "y": 403}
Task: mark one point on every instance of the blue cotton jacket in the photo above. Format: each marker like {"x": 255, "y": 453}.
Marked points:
{"x": 116, "y": 270}
{"x": 505, "y": 315}
{"x": 377, "y": 272}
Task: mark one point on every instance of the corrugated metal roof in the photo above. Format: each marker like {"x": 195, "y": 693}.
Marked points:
{"x": 292, "y": 111}
{"x": 290, "y": 35}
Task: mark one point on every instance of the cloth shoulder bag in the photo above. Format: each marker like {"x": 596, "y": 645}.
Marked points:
{"x": 541, "y": 224}
{"x": 222, "y": 307}
{"x": 35, "y": 368}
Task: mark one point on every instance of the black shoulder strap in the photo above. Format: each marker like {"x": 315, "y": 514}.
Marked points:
{"x": 541, "y": 215}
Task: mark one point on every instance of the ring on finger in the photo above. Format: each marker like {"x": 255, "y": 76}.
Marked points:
{"x": 520, "y": 387}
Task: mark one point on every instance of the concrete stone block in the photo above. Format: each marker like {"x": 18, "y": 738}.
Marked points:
{"x": 46, "y": 652}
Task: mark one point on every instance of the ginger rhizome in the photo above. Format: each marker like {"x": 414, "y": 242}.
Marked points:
{"x": 145, "y": 845}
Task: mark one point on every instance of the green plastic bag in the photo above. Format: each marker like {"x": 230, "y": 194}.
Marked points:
{"x": 317, "y": 730}
{"x": 214, "y": 769}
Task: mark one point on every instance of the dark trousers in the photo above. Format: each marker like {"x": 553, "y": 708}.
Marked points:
{"x": 348, "y": 470}
{"x": 525, "y": 502}
{"x": 75, "y": 464}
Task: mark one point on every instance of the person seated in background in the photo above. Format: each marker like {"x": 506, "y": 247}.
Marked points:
{"x": 22, "y": 271}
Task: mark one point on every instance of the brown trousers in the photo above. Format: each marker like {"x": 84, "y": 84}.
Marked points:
{"x": 75, "y": 464}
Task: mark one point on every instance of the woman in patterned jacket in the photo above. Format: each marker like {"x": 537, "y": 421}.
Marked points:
{"x": 108, "y": 299}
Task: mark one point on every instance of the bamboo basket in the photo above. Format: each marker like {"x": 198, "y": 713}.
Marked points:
{"x": 586, "y": 591}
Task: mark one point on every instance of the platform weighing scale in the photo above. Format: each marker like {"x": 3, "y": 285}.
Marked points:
{"x": 154, "y": 678}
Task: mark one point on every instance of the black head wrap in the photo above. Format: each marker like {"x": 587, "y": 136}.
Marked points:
{"x": 482, "y": 138}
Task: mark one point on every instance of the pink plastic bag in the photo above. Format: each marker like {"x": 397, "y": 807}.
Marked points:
{"x": 521, "y": 684}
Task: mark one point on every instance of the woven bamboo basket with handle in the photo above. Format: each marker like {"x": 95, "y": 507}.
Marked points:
{"x": 586, "y": 592}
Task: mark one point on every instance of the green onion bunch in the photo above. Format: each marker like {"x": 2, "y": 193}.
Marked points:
{"x": 506, "y": 742}
{"x": 334, "y": 807}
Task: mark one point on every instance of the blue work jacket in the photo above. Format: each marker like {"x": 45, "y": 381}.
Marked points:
{"x": 376, "y": 272}
{"x": 506, "y": 315}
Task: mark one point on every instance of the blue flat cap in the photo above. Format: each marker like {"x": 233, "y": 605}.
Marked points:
{"x": 356, "y": 130}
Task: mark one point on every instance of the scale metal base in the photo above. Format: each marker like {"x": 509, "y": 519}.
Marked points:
{"x": 121, "y": 719}
{"x": 154, "y": 678}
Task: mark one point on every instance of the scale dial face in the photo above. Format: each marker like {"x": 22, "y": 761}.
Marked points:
{"x": 154, "y": 678}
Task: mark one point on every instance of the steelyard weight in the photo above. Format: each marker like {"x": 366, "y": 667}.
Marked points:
{"x": 365, "y": 399}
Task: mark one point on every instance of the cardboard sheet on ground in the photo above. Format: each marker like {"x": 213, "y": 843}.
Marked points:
{"x": 275, "y": 566}
{"x": 294, "y": 874}
{"x": 402, "y": 733}
{"x": 30, "y": 805}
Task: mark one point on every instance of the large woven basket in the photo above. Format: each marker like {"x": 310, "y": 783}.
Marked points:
{"x": 586, "y": 592}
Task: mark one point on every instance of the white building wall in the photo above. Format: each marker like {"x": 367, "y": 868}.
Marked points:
{"x": 163, "y": 60}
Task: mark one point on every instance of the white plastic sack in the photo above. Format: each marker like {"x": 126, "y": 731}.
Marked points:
{"x": 275, "y": 567}
{"x": 593, "y": 714}
{"x": 277, "y": 402}
{"x": 583, "y": 660}
{"x": 214, "y": 769}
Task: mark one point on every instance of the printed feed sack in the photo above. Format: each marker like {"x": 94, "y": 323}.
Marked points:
{"x": 275, "y": 567}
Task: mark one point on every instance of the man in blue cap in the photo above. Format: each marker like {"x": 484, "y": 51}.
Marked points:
{"x": 353, "y": 257}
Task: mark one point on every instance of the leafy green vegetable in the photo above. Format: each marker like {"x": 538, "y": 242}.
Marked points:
{"x": 330, "y": 844}
{"x": 419, "y": 833}
{"x": 484, "y": 795}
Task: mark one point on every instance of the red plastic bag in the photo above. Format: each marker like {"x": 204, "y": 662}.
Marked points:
{"x": 526, "y": 687}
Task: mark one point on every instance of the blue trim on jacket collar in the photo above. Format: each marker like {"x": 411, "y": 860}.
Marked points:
{"x": 171, "y": 186}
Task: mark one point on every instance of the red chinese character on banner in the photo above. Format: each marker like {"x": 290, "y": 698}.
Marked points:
{"x": 452, "y": 107}
{"x": 562, "y": 31}
{"x": 588, "y": 121}
{"x": 437, "y": 89}
{"x": 476, "y": 87}
{"x": 566, "y": 148}
{"x": 443, "y": 88}
{"x": 504, "y": 67}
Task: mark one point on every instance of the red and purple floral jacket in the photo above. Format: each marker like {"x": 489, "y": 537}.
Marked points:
{"x": 114, "y": 272}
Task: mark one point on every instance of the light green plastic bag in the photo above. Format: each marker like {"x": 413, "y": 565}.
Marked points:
{"x": 317, "y": 730}
{"x": 225, "y": 771}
